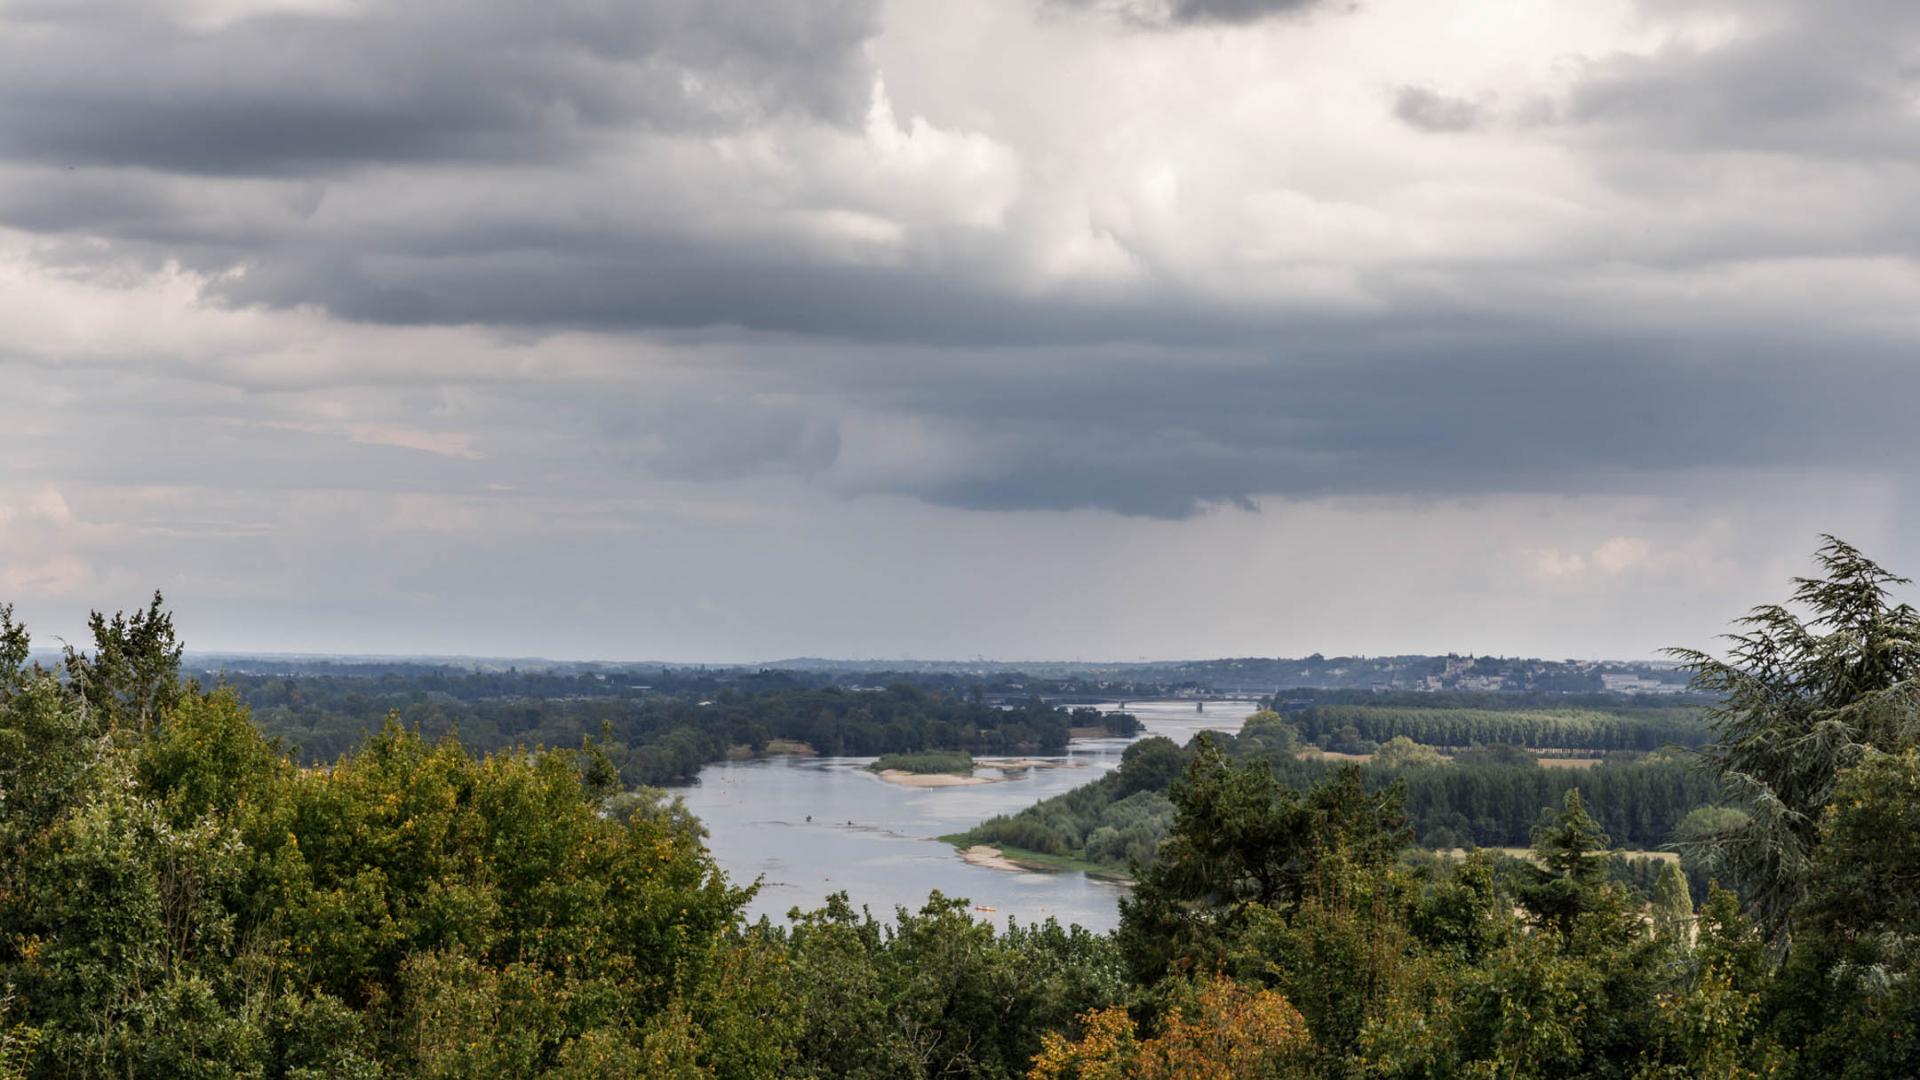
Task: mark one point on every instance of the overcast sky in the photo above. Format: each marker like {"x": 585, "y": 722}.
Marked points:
{"x": 741, "y": 329}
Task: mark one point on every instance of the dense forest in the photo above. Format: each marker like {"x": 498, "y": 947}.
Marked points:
{"x": 657, "y": 733}
{"x": 1571, "y": 728}
{"x": 180, "y": 897}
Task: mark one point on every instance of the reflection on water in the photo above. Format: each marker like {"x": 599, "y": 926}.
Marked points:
{"x": 813, "y": 826}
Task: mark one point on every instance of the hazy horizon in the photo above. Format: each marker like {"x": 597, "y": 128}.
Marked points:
{"x": 195, "y": 655}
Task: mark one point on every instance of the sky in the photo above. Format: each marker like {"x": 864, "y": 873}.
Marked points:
{"x": 732, "y": 330}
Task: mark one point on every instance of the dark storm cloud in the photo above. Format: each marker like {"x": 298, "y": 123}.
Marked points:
{"x": 663, "y": 283}
{"x": 269, "y": 150}
{"x": 1199, "y": 12}
{"x": 1518, "y": 411}
{"x": 547, "y": 272}
{"x": 1234, "y": 11}
{"x": 1836, "y": 81}
{"x": 1428, "y": 110}
{"x": 395, "y": 81}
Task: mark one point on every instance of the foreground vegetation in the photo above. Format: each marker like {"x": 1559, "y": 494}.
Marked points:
{"x": 179, "y": 897}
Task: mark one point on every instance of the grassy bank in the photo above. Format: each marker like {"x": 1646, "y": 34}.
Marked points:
{"x": 1039, "y": 860}
{"x": 933, "y": 761}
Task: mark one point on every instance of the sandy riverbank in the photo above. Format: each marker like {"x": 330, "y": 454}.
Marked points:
{"x": 989, "y": 857}
{"x": 1020, "y": 764}
{"x": 907, "y": 779}
{"x": 1004, "y": 766}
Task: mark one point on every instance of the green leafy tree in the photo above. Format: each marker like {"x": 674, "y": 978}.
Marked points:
{"x": 937, "y": 993}
{"x": 1708, "y": 1025}
{"x": 15, "y": 647}
{"x": 1151, "y": 764}
{"x": 1341, "y": 954}
{"x": 1400, "y": 752}
{"x": 17, "y": 1042}
{"x": 1851, "y": 987}
{"x": 49, "y": 755}
{"x": 848, "y": 1028}
{"x": 1462, "y": 916}
{"x": 1672, "y": 906}
{"x": 1524, "y": 1014}
{"x": 1242, "y": 841}
{"x": 1268, "y": 734}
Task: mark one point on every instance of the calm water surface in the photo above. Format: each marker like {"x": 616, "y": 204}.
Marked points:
{"x": 812, "y": 826}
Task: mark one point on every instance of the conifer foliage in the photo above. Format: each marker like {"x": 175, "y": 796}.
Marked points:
{"x": 1805, "y": 696}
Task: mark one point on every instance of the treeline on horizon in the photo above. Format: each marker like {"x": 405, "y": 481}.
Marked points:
{"x": 181, "y": 898}
{"x": 1296, "y": 682}
{"x": 1262, "y": 674}
{"x": 478, "y": 681}
{"x": 662, "y": 737}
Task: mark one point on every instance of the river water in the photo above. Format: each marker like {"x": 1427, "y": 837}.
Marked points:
{"x": 808, "y": 827}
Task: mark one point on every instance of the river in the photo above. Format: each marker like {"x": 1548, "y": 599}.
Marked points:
{"x": 808, "y": 827}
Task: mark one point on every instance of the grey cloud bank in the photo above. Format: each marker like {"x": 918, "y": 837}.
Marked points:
{"x": 1428, "y": 111}
{"x": 1196, "y": 12}
{"x": 292, "y": 92}
{"x": 539, "y": 283}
